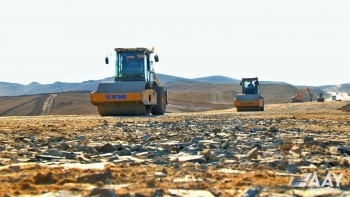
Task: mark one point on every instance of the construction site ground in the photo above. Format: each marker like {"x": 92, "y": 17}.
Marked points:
{"x": 212, "y": 153}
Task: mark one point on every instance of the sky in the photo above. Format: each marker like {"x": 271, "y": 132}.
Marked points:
{"x": 298, "y": 42}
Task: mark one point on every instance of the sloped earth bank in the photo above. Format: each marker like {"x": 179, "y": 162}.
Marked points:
{"x": 217, "y": 153}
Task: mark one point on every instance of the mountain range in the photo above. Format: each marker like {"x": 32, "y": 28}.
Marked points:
{"x": 16, "y": 89}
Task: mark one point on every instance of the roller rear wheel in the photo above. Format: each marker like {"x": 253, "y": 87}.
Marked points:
{"x": 160, "y": 108}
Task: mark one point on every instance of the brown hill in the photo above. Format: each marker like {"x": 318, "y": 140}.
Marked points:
{"x": 30, "y": 105}
{"x": 67, "y": 103}
{"x": 225, "y": 93}
{"x": 345, "y": 88}
{"x": 183, "y": 96}
{"x": 73, "y": 103}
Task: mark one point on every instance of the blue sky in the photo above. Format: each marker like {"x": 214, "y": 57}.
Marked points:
{"x": 299, "y": 42}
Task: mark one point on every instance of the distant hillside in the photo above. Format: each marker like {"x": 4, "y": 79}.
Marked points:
{"x": 67, "y": 103}
{"x": 228, "y": 80}
{"x": 187, "y": 96}
{"x": 12, "y": 89}
{"x": 200, "y": 87}
{"x": 22, "y": 105}
{"x": 164, "y": 79}
{"x": 8, "y": 89}
{"x": 345, "y": 88}
{"x": 15, "y": 89}
{"x": 315, "y": 90}
{"x": 275, "y": 82}
{"x": 226, "y": 93}
{"x": 325, "y": 86}
{"x": 73, "y": 103}
{"x": 218, "y": 79}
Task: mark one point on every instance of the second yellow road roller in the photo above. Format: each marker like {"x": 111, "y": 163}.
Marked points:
{"x": 250, "y": 99}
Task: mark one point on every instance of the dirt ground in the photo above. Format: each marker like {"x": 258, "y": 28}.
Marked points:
{"x": 25, "y": 171}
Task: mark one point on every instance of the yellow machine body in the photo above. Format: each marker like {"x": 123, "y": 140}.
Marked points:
{"x": 250, "y": 99}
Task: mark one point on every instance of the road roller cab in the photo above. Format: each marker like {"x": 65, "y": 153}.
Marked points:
{"x": 135, "y": 90}
{"x": 250, "y": 99}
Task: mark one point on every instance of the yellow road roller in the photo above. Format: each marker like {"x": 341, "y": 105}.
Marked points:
{"x": 136, "y": 90}
{"x": 250, "y": 99}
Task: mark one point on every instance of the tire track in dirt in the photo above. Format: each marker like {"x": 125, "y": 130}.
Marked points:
{"x": 48, "y": 104}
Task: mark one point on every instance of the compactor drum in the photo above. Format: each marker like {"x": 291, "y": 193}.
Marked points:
{"x": 136, "y": 89}
{"x": 250, "y": 99}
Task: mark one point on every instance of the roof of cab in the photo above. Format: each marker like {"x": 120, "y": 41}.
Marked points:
{"x": 134, "y": 49}
{"x": 250, "y": 78}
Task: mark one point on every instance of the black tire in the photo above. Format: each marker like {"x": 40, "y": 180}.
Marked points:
{"x": 263, "y": 107}
{"x": 160, "y": 108}
{"x": 320, "y": 100}
{"x": 148, "y": 109}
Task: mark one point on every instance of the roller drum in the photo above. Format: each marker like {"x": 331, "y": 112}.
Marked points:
{"x": 127, "y": 108}
{"x": 124, "y": 109}
{"x": 248, "y": 108}
{"x": 249, "y": 102}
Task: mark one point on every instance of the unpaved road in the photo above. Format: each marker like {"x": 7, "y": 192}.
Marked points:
{"x": 48, "y": 104}
{"x": 216, "y": 153}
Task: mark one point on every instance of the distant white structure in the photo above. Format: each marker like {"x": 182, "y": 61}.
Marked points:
{"x": 339, "y": 96}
